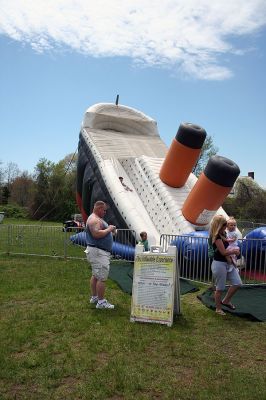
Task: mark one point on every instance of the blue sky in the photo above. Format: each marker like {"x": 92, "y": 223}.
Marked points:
{"x": 196, "y": 61}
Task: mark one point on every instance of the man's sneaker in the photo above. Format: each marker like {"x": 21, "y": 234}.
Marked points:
{"x": 94, "y": 299}
{"x": 104, "y": 304}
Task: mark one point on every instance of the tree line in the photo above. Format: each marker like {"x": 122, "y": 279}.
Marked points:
{"x": 46, "y": 194}
{"x": 49, "y": 193}
{"x": 248, "y": 201}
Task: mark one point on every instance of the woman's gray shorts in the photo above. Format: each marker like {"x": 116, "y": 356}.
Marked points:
{"x": 99, "y": 261}
{"x": 221, "y": 274}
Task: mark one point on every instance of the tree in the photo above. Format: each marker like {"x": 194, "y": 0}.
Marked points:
{"x": 54, "y": 189}
{"x": 7, "y": 176}
{"x": 1, "y": 174}
{"x": 22, "y": 190}
{"x": 70, "y": 163}
{"x": 255, "y": 210}
{"x": 11, "y": 172}
{"x": 208, "y": 150}
{"x": 47, "y": 194}
{"x": 248, "y": 202}
{"x": 5, "y": 194}
{"x": 62, "y": 185}
{"x": 42, "y": 197}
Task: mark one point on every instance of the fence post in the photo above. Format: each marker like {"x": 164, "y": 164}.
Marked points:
{"x": 65, "y": 244}
{"x": 8, "y": 239}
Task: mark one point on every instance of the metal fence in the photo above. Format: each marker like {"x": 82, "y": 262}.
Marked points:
{"x": 55, "y": 241}
{"x": 246, "y": 226}
{"x": 195, "y": 264}
{"x": 193, "y": 261}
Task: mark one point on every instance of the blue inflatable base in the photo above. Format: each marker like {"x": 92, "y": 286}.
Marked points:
{"x": 119, "y": 250}
{"x": 254, "y": 249}
{"x": 194, "y": 246}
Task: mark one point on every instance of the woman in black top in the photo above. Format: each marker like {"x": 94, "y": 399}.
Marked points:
{"x": 220, "y": 269}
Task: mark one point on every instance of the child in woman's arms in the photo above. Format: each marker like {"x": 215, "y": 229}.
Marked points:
{"x": 231, "y": 238}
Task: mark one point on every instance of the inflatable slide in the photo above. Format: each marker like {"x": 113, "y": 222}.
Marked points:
{"x": 123, "y": 161}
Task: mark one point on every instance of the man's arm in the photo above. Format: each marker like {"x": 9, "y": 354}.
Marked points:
{"x": 96, "y": 230}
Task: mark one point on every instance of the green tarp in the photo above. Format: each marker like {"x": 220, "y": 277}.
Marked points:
{"x": 250, "y": 302}
{"x": 122, "y": 274}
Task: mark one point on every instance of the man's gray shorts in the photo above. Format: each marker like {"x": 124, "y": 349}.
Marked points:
{"x": 221, "y": 274}
{"x": 100, "y": 262}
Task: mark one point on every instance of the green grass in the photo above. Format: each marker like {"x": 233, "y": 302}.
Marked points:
{"x": 34, "y": 237}
{"x": 26, "y": 221}
{"x": 54, "y": 345}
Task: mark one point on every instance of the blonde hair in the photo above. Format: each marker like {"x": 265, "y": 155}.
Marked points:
{"x": 231, "y": 219}
{"x": 217, "y": 223}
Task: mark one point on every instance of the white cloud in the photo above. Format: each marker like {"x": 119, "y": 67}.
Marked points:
{"x": 186, "y": 35}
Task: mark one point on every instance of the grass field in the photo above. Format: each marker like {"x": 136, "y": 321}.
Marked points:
{"x": 54, "y": 345}
{"x": 37, "y": 238}
{"x": 25, "y": 221}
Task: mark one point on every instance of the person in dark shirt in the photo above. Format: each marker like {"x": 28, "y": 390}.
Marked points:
{"x": 220, "y": 269}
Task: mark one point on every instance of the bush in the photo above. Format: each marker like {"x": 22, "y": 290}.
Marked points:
{"x": 14, "y": 211}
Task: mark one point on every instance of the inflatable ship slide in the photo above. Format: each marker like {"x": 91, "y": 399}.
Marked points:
{"x": 123, "y": 161}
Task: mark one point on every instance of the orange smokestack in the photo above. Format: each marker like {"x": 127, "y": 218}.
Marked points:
{"x": 210, "y": 191}
{"x": 182, "y": 155}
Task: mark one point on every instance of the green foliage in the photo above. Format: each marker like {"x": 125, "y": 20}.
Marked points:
{"x": 5, "y": 194}
{"x": 208, "y": 150}
{"x": 248, "y": 202}
{"x": 7, "y": 177}
{"x": 231, "y": 207}
{"x": 47, "y": 195}
{"x": 14, "y": 211}
{"x": 54, "y": 192}
{"x": 22, "y": 190}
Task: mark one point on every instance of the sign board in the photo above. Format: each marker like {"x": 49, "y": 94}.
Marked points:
{"x": 155, "y": 291}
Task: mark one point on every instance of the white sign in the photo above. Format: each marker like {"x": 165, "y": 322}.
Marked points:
{"x": 154, "y": 288}
{"x": 205, "y": 216}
